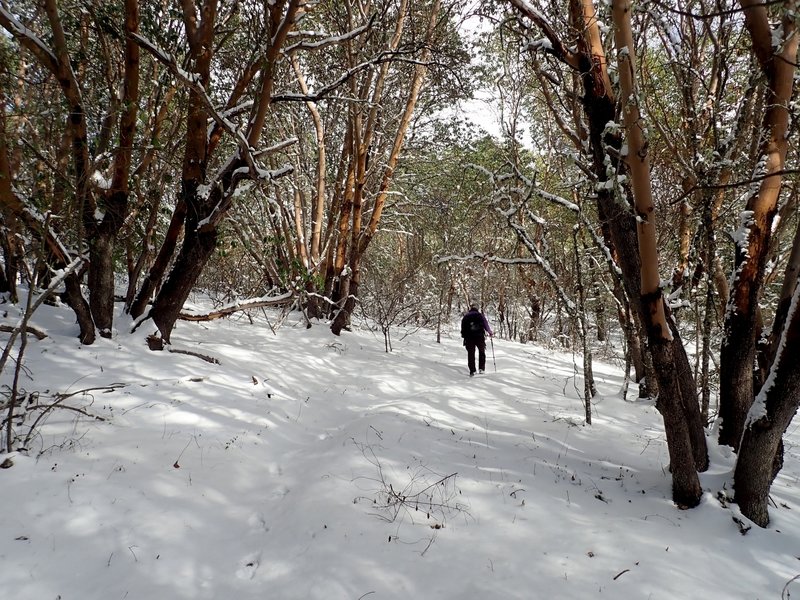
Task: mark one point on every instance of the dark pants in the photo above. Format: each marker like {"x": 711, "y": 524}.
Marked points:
{"x": 481, "y": 346}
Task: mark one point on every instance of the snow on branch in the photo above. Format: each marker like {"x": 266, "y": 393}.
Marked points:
{"x": 193, "y": 81}
{"x": 535, "y": 259}
{"x": 613, "y": 267}
{"x": 277, "y": 147}
{"x": 524, "y": 238}
{"x": 553, "y": 44}
{"x": 483, "y": 256}
{"x": 231, "y": 112}
{"x": 39, "y": 224}
{"x": 237, "y": 306}
{"x": 383, "y": 57}
{"x": 327, "y": 40}
{"x": 760, "y": 407}
{"x": 557, "y": 200}
{"x": 246, "y": 152}
{"x": 22, "y": 326}
{"x": 515, "y": 200}
{"x": 533, "y": 189}
{"x": 30, "y": 216}
{"x": 28, "y": 38}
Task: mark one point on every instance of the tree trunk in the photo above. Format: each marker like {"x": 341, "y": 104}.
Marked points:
{"x": 103, "y": 235}
{"x": 9, "y": 222}
{"x": 768, "y": 419}
{"x": 74, "y": 298}
{"x": 589, "y": 389}
{"x": 738, "y": 354}
{"x": 362, "y": 237}
{"x": 56, "y": 255}
{"x": 155, "y": 275}
{"x": 681, "y": 369}
{"x": 676, "y": 402}
{"x": 101, "y": 281}
{"x": 195, "y": 252}
{"x": 348, "y": 294}
{"x": 197, "y": 247}
{"x": 625, "y": 236}
{"x": 145, "y": 252}
{"x": 205, "y": 213}
{"x": 782, "y": 311}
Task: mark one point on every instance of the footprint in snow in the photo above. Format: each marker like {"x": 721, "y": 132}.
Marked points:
{"x": 248, "y": 566}
{"x": 258, "y": 523}
{"x": 280, "y": 492}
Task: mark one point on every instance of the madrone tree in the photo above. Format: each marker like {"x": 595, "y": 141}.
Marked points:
{"x": 101, "y": 202}
{"x": 755, "y": 413}
{"x": 629, "y": 234}
{"x": 759, "y": 392}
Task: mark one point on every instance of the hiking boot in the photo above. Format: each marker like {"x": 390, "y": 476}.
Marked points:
{"x": 472, "y": 373}
{"x": 481, "y": 371}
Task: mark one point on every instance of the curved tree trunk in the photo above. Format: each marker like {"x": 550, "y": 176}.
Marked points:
{"x": 761, "y": 452}
{"x": 205, "y": 211}
{"x": 194, "y": 254}
{"x": 632, "y": 241}
{"x": 738, "y": 354}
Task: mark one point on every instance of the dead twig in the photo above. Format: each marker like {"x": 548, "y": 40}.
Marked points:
{"x": 434, "y": 498}
{"x": 40, "y": 335}
{"x": 785, "y": 592}
{"x": 58, "y": 403}
{"x": 205, "y": 357}
{"x": 620, "y": 573}
{"x": 155, "y": 343}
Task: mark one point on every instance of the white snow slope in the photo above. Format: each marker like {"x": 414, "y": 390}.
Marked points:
{"x": 314, "y": 467}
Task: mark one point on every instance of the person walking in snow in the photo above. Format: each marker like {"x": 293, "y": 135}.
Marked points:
{"x": 474, "y": 328}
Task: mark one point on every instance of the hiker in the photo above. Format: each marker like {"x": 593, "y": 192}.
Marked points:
{"x": 474, "y": 328}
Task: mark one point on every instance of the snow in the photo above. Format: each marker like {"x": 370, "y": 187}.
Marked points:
{"x": 268, "y": 475}
{"x": 758, "y": 410}
{"x": 741, "y": 236}
{"x": 541, "y": 44}
{"x": 101, "y": 181}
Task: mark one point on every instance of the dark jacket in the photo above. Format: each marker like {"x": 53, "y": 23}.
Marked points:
{"x": 474, "y": 325}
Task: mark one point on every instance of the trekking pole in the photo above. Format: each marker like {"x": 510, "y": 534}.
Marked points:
{"x": 494, "y": 362}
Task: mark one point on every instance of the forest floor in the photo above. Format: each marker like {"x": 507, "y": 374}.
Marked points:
{"x": 309, "y": 466}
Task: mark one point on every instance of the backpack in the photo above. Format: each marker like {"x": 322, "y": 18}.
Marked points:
{"x": 472, "y": 327}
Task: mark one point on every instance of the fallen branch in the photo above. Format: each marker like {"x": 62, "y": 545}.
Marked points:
{"x": 156, "y": 344}
{"x": 230, "y": 309}
{"x": 40, "y": 335}
{"x": 205, "y": 357}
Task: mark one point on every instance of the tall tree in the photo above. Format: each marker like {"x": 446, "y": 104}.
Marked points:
{"x": 758, "y": 422}
{"x": 355, "y": 235}
{"x": 206, "y": 201}
{"x": 742, "y": 318}
{"x": 664, "y": 343}
{"x": 678, "y": 402}
{"x": 102, "y": 207}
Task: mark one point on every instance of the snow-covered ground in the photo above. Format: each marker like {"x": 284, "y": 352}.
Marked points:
{"x": 314, "y": 467}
